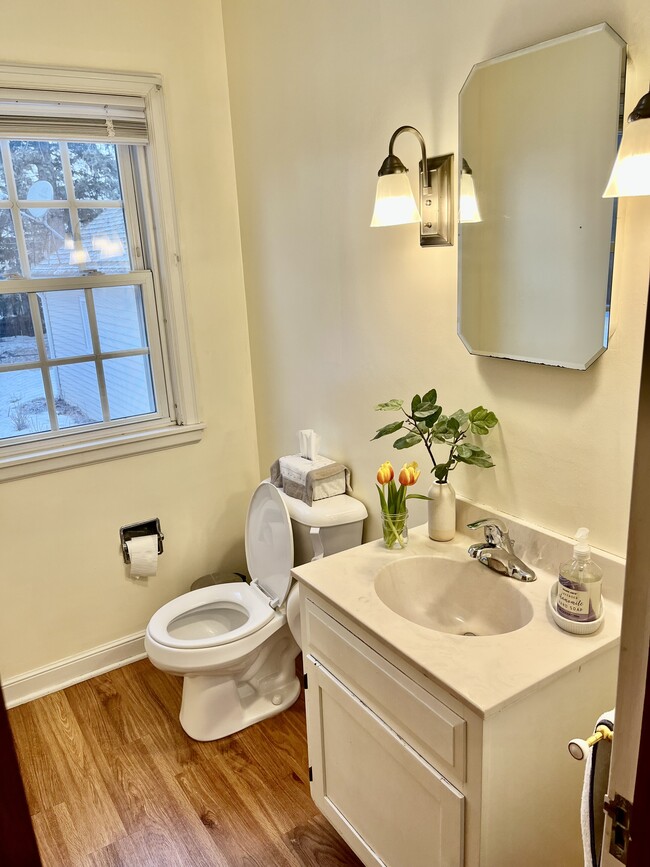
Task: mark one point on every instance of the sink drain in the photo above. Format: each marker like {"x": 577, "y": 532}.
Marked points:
{"x": 471, "y": 633}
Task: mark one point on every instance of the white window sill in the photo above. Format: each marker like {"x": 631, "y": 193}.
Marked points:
{"x": 48, "y": 457}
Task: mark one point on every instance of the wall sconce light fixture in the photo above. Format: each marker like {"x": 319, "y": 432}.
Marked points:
{"x": 631, "y": 173}
{"x": 394, "y": 202}
{"x": 468, "y": 211}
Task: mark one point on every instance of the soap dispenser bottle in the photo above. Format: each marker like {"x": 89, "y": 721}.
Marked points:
{"x": 580, "y": 582}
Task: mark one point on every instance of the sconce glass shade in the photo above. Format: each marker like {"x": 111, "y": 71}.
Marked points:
{"x": 468, "y": 211}
{"x": 631, "y": 173}
{"x": 394, "y": 202}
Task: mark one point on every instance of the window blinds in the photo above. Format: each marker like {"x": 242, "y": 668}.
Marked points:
{"x": 50, "y": 115}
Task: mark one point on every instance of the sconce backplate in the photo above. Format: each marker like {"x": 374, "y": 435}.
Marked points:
{"x": 436, "y": 206}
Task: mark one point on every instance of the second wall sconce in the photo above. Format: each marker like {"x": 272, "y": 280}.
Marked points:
{"x": 631, "y": 173}
{"x": 394, "y": 202}
{"x": 468, "y": 211}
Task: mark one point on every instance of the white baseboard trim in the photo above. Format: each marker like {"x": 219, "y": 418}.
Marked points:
{"x": 73, "y": 669}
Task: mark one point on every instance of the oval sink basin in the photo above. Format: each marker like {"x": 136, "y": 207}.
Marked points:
{"x": 458, "y": 597}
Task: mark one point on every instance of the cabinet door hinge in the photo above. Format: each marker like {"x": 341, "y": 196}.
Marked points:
{"x": 620, "y": 812}
{"x": 305, "y": 680}
{"x": 311, "y": 775}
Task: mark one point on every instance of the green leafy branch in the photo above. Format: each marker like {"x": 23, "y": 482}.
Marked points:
{"x": 426, "y": 423}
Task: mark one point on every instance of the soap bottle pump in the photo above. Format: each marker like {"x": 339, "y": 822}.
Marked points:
{"x": 580, "y": 582}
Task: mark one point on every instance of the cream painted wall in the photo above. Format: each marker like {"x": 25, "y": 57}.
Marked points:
{"x": 342, "y": 316}
{"x": 63, "y": 585}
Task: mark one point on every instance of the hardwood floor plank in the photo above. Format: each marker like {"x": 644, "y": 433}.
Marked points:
{"x": 151, "y": 848}
{"x": 82, "y": 787}
{"x": 318, "y": 845}
{"x": 237, "y": 833}
{"x": 40, "y": 778}
{"x": 150, "y": 801}
{"x": 101, "y": 705}
{"x": 57, "y": 836}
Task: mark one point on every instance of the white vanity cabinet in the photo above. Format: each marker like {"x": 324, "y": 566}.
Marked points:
{"x": 410, "y": 776}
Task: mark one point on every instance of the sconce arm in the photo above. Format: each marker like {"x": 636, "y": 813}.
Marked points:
{"x": 389, "y": 162}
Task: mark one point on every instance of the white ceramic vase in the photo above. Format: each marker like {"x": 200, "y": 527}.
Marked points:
{"x": 442, "y": 511}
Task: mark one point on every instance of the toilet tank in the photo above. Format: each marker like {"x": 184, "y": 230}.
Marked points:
{"x": 337, "y": 523}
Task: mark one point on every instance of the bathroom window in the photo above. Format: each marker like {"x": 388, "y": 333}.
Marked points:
{"x": 88, "y": 363}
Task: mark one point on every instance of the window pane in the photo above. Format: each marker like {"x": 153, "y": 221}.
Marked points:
{"x": 128, "y": 385}
{"x": 17, "y": 341}
{"x": 46, "y": 243}
{"x": 66, "y": 328}
{"x": 103, "y": 236}
{"x": 3, "y": 183}
{"x": 94, "y": 171}
{"x": 9, "y": 261}
{"x": 120, "y": 318}
{"x": 76, "y": 394}
{"x": 38, "y": 161}
{"x": 23, "y": 408}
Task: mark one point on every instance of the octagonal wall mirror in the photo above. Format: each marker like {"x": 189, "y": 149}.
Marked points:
{"x": 538, "y": 136}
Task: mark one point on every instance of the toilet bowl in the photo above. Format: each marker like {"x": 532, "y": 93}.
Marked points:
{"x": 232, "y": 643}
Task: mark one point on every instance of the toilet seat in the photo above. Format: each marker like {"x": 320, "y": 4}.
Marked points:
{"x": 205, "y": 618}
{"x": 225, "y": 613}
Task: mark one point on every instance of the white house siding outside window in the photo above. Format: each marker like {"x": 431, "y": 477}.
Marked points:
{"x": 86, "y": 359}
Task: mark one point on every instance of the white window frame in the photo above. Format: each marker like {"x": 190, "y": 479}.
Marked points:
{"x": 152, "y": 167}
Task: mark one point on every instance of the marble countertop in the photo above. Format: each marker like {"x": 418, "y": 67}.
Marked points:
{"x": 489, "y": 672}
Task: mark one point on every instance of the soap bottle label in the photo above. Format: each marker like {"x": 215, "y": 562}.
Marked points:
{"x": 576, "y": 600}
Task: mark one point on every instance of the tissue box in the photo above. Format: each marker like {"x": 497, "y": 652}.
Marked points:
{"x": 294, "y": 468}
{"x": 308, "y": 480}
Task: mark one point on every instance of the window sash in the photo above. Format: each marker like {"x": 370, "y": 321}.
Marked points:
{"x": 128, "y": 203}
{"x": 154, "y": 350}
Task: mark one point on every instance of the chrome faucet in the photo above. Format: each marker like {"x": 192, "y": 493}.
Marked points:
{"x": 497, "y": 551}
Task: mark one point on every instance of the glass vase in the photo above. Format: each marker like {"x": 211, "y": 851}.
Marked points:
{"x": 395, "y": 529}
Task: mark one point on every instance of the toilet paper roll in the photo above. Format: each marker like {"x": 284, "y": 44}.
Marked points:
{"x": 143, "y": 553}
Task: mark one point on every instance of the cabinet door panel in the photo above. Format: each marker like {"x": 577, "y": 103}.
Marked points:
{"x": 429, "y": 726}
{"x": 391, "y": 806}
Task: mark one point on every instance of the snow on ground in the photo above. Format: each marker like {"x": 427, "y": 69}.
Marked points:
{"x": 23, "y": 409}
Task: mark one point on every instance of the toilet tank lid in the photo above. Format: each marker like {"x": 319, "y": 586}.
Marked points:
{"x": 330, "y": 512}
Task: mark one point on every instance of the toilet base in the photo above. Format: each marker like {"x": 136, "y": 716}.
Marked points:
{"x": 216, "y": 705}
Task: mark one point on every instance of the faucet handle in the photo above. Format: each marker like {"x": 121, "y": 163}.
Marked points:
{"x": 496, "y": 532}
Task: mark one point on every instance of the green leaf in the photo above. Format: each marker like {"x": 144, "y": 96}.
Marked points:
{"x": 426, "y": 409}
{"x": 405, "y": 442}
{"x": 417, "y": 497}
{"x": 482, "y": 420}
{"x": 461, "y": 417}
{"x": 430, "y": 420}
{"x": 382, "y": 499}
{"x": 430, "y": 396}
{"x": 441, "y": 472}
{"x": 474, "y": 455}
{"x": 415, "y": 403}
{"x": 478, "y": 413}
{"x": 477, "y": 461}
{"x": 388, "y": 429}
{"x": 453, "y": 425}
{"x": 390, "y": 406}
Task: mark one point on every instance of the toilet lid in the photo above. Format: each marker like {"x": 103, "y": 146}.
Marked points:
{"x": 269, "y": 543}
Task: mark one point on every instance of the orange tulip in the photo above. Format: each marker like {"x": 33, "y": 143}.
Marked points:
{"x": 409, "y": 474}
{"x": 385, "y": 473}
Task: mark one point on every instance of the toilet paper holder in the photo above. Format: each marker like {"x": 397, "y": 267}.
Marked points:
{"x": 142, "y": 528}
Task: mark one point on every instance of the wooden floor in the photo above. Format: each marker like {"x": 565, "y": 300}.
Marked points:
{"x": 113, "y": 781}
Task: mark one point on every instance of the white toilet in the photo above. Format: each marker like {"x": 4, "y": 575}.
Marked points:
{"x": 232, "y": 642}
